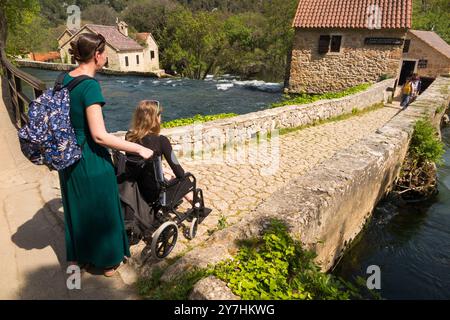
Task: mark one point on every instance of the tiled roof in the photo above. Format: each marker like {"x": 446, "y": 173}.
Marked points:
{"x": 433, "y": 40}
{"x": 116, "y": 39}
{"x": 47, "y": 56}
{"x": 352, "y": 13}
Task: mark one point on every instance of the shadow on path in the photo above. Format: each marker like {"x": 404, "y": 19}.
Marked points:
{"x": 43, "y": 264}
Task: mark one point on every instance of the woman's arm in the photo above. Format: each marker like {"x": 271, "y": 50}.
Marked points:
{"x": 102, "y": 137}
{"x": 171, "y": 158}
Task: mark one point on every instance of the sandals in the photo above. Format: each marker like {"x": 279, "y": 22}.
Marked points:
{"x": 110, "y": 272}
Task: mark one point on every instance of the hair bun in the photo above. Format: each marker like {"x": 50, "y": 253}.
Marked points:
{"x": 73, "y": 50}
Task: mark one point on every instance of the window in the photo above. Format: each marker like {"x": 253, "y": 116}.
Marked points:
{"x": 329, "y": 44}
{"x": 406, "y": 46}
{"x": 137, "y": 59}
{"x": 422, "y": 64}
{"x": 336, "y": 43}
{"x": 152, "y": 54}
{"x": 126, "y": 61}
{"x": 324, "y": 44}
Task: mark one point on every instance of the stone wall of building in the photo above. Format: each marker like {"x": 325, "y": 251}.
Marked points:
{"x": 214, "y": 135}
{"x": 328, "y": 207}
{"x": 356, "y": 62}
{"x": 437, "y": 63}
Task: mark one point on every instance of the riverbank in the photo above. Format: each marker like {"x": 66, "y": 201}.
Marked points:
{"x": 410, "y": 244}
{"x": 67, "y": 67}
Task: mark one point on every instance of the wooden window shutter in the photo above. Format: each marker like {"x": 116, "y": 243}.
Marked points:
{"x": 406, "y": 45}
{"x": 324, "y": 44}
{"x": 336, "y": 43}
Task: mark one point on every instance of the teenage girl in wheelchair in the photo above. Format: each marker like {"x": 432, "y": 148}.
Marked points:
{"x": 150, "y": 195}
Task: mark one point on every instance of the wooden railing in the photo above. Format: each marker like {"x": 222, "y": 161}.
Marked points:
{"x": 16, "y": 79}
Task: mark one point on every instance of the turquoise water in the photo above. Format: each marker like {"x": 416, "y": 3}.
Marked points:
{"x": 181, "y": 98}
{"x": 411, "y": 245}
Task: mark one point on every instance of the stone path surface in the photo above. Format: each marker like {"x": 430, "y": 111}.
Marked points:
{"x": 32, "y": 257}
{"x": 234, "y": 185}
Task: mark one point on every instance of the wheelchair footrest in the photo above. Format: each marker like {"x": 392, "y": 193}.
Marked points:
{"x": 203, "y": 214}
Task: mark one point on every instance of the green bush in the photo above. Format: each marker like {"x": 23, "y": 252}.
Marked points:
{"x": 305, "y": 98}
{"x": 196, "y": 119}
{"x": 277, "y": 268}
{"x": 425, "y": 143}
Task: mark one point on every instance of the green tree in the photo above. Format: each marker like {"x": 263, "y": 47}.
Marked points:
{"x": 100, "y": 14}
{"x": 14, "y": 14}
{"x": 149, "y": 15}
{"x": 193, "y": 47}
{"x": 432, "y": 15}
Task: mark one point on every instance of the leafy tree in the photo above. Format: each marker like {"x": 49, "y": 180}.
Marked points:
{"x": 432, "y": 15}
{"x": 100, "y": 14}
{"x": 14, "y": 14}
{"x": 149, "y": 15}
{"x": 193, "y": 48}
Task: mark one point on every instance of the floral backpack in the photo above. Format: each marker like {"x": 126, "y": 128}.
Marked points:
{"x": 49, "y": 138}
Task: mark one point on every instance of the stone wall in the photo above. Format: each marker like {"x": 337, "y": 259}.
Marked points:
{"x": 437, "y": 65}
{"x": 327, "y": 208}
{"x": 214, "y": 135}
{"x": 356, "y": 62}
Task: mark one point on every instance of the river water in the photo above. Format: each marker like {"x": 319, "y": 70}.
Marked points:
{"x": 410, "y": 245}
{"x": 181, "y": 98}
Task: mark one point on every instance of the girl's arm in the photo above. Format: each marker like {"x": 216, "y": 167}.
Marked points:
{"x": 102, "y": 137}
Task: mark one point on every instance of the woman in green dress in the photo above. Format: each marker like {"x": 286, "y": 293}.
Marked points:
{"x": 94, "y": 226}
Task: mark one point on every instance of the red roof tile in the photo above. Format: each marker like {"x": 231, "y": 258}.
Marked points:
{"x": 46, "y": 56}
{"x": 352, "y": 13}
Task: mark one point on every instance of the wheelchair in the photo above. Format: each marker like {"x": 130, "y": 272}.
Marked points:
{"x": 157, "y": 221}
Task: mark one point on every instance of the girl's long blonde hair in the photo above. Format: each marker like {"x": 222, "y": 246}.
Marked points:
{"x": 145, "y": 121}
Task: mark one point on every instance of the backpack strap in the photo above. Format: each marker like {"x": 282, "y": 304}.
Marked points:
{"x": 75, "y": 82}
{"x": 59, "y": 83}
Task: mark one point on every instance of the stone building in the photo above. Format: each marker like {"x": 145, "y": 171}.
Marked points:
{"x": 426, "y": 54}
{"x": 342, "y": 43}
{"x": 124, "y": 53}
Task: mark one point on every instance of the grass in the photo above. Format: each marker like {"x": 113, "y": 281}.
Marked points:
{"x": 305, "y": 98}
{"x": 345, "y": 116}
{"x": 196, "y": 119}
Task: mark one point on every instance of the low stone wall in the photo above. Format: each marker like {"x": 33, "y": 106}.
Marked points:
{"x": 327, "y": 208}
{"x": 213, "y": 135}
{"x": 68, "y": 67}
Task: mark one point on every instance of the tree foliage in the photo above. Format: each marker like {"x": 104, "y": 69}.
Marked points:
{"x": 432, "y": 15}
{"x": 249, "y": 38}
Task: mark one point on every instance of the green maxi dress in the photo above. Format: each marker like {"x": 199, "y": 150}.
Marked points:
{"x": 94, "y": 226}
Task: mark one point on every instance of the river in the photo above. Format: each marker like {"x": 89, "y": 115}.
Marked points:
{"x": 181, "y": 98}
{"x": 410, "y": 245}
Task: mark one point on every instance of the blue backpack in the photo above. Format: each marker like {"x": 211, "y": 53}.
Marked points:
{"x": 49, "y": 138}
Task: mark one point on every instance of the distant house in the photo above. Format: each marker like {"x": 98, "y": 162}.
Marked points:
{"x": 342, "y": 43}
{"x": 124, "y": 53}
{"x": 426, "y": 54}
{"x": 150, "y": 48}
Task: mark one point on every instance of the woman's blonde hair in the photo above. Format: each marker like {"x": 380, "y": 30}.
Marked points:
{"x": 145, "y": 121}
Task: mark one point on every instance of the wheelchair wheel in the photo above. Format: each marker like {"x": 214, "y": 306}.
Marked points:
{"x": 192, "y": 232}
{"x": 164, "y": 240}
